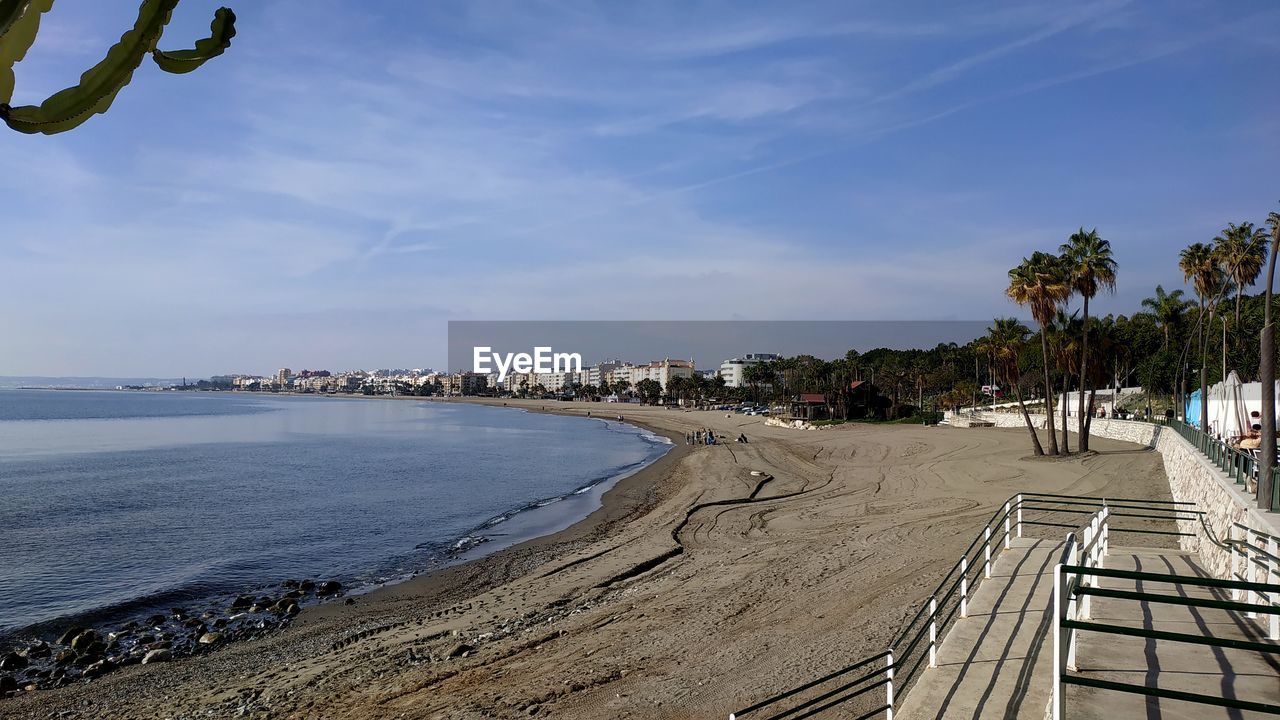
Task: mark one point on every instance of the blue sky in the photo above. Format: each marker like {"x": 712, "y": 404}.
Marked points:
{"x": 349, "y": 176}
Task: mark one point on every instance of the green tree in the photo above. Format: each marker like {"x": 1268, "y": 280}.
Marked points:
{"x": 1065, "y": 332}
{"x": 1200, "y": 266}
{"x": 1169, "y": 309}
{"x": 1003, "y": 345}
{"x": 650, "y": 390}
{"x": 1041, "y": 283}
{"x": 1092, "y": 268}
{"x": 1241, "y": 252}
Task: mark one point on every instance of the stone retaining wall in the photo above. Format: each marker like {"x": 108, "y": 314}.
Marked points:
{"x": 1192, "y": 478}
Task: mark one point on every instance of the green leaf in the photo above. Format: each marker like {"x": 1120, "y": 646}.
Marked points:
{"x": 222, "y": 29}
{"x": 19, "y": 20}
{"x": 100, "y": 84}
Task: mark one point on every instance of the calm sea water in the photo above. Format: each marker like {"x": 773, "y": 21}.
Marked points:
{"x": 116, "y": 503}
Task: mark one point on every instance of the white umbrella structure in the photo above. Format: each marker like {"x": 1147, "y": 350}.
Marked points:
{"x": 1228, "y": 406}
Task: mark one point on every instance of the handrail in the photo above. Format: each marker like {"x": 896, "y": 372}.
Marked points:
{"x": 1255, "y": 531}
{"x": 917, "y": 641}
{"x": 1257, "y": 560}
{"x": 1072, "y": 591}
{"x": 1240, "y": 466}
{"x": 1176, "y": 579}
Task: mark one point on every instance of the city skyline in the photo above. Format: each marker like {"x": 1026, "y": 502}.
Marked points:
{"x": 345, "y": 182}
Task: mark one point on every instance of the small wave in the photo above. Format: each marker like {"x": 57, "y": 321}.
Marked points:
{"x": 469, "y": 542}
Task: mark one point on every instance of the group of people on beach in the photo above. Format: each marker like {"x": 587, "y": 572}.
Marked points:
{"x": 707, "y": 437}
{"x": 700, "y": 437}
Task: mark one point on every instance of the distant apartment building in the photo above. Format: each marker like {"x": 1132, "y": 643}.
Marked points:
{"x": 599, "y": 373}
{"x": 732, "y": 369}
{"x": 464, "y": 383}
{"x": 622, "y": 372}
{"x": 663, "y": 371}
{"x": 283, "y": 376}
{"x": 250, "y": 382}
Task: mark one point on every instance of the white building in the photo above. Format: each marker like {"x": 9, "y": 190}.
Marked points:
{"x": 662, "y": 371}
{"x": 602, "y": 372}
{"x": 732, "y": 369}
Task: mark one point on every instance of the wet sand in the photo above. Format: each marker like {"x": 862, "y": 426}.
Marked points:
{"x": 708, "y": 580}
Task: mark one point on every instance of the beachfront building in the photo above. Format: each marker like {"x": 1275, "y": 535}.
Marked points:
{"x": 663, "y": 371}
{"x": 808, "y": 407}
{"x": 556, "y": 381}
{"x": 618, "y": 373}
{"x": 600, "y": 372}
{"x": 250, "y": 382}
{"x": 732, "y": 369}
{"x": 464, "y": 383}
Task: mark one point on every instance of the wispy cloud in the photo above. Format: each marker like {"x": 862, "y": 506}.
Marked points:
{"x": 558, "y": 159}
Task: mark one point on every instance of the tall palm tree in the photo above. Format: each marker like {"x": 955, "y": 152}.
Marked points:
{"x": 1041, "y": 283}
{"x": 1092, "y": 268}
{"x": 1267, "y": 375}
{"x": 1003, "y": 345}
{"x": 1169, "y": 310}
{"x": 1199, "y": 265}
{"x": 1064, "y": 341}
{"x": 1241, "y": 251}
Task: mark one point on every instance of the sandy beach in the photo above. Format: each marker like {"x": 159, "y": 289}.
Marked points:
{"x": 708, "y": 580}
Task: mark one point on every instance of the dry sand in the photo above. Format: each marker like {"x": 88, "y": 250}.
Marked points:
{"x": 663, "y": 604}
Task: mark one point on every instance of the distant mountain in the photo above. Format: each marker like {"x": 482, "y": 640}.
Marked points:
{"x": 39, "y": 381}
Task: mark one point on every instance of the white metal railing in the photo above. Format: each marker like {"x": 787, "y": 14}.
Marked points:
{"x": 915, "y": 648}
{"x": 1255, "y": 558}
{"x": 951, "y": 599}
{"x": 1087, "y": 552}
{"x": 1075, "y": 582}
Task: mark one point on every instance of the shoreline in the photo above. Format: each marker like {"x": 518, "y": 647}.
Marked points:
{"x": 627, "y": 495}
{"x": 708, "y": 580}
{"x": 630, "y": 496}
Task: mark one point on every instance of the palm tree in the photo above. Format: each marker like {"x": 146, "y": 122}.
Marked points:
{"x": 1041, "y": 282}
{"x": 1241, "y": 251}
{"x": 1168, "y": 308}
{"x": 1064, "y": 335}
{"x": 1003, "y": 345}
{"x": 1267, "y": 376}
{"x": 1092, "y": 268}
{"x": 1199, "y": 264}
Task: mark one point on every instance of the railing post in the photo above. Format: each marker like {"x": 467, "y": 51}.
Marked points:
{"x": 1082, "y": 609}
{"x": 1271, "y": 577}
{"x": 1251, "y": 573}
{"x": 986, "y": 564}
{"x": 1073, "y": 558}
{"x": 1006, "y": 526}
{"x": 1019, "y": 514}
{"x": 1057, "y": 699}
{"x": 888, "y": 671}
{"x": 1233, "y": 551}
{"x": 1106, "y": 534}
{"x": 933, "y": 632}
{"x": 964, "y": 587}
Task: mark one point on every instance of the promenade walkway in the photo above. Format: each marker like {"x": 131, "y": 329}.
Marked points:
{"x": 997, "y": 662}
